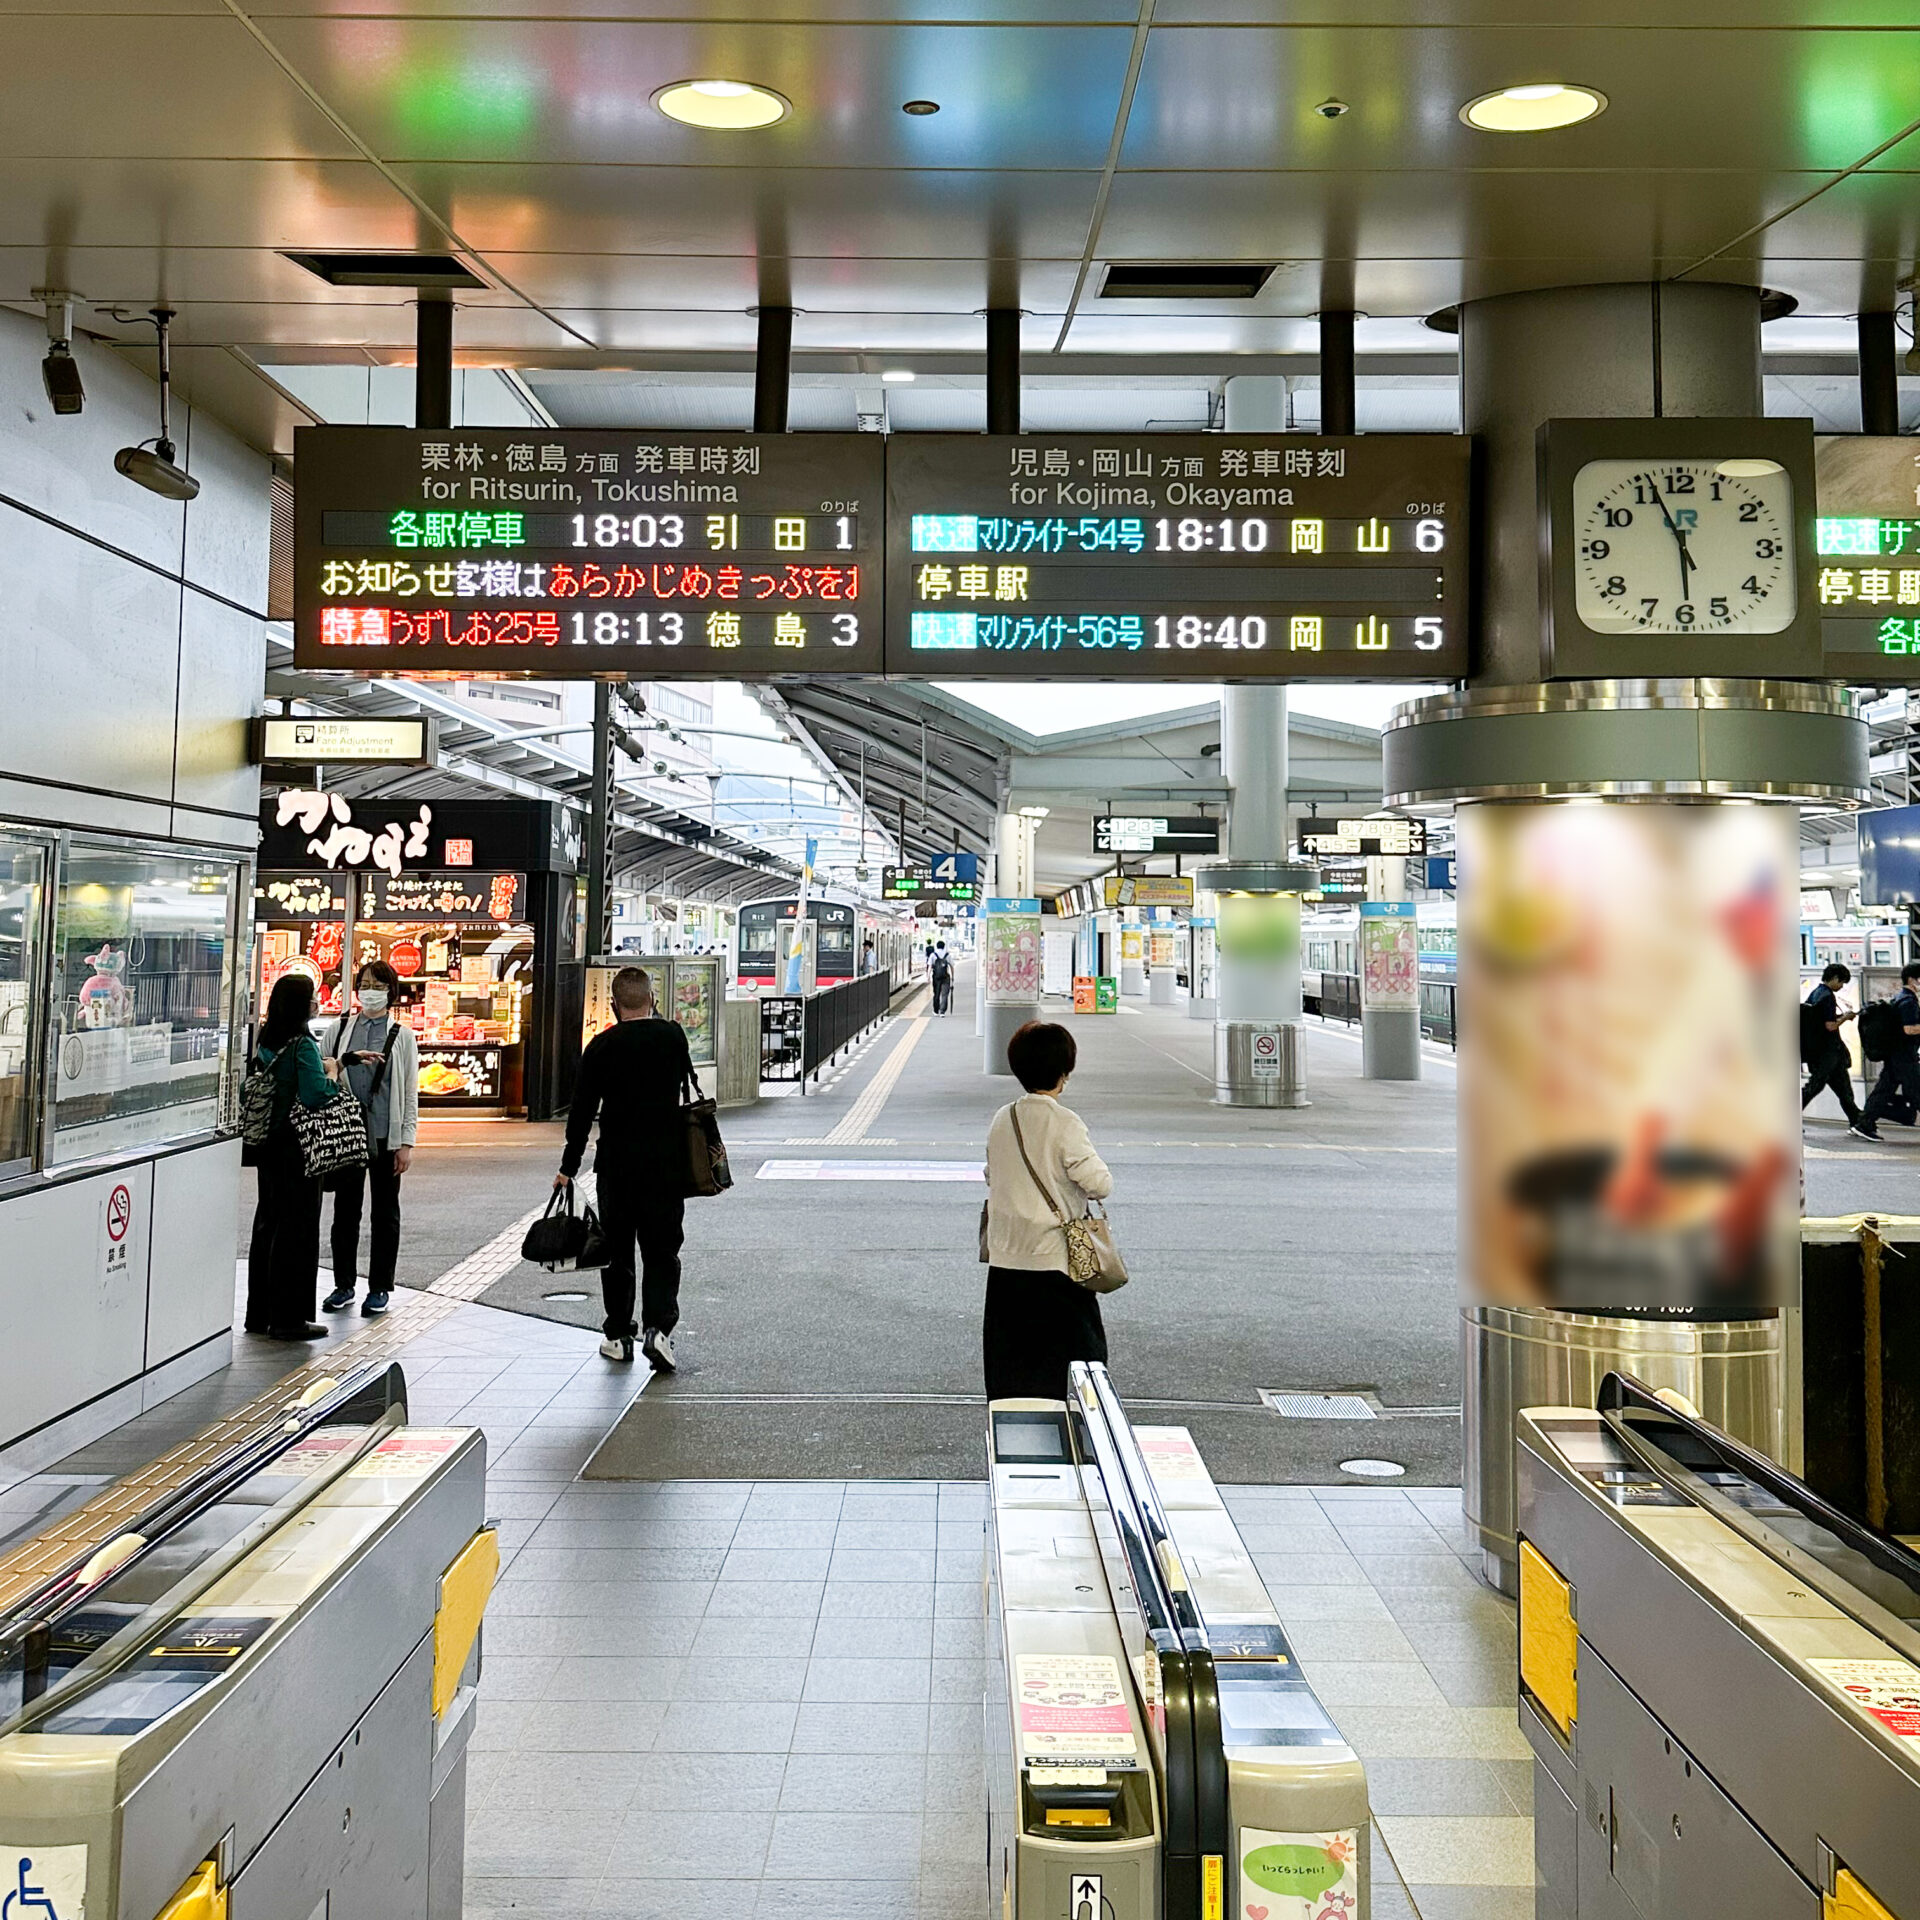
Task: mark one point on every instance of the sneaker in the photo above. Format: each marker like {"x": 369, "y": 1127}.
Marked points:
{"x": 658, "y": 1347}
{"x": 377, "y": 1304}
{"x": 621, "y": 1349}
{"x": 338, "y": 1298}
{"x": 1863, "y": 1130}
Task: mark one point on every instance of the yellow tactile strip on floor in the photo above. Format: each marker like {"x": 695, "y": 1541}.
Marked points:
{"x": 411, "y": 1315}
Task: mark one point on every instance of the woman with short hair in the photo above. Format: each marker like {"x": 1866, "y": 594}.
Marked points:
{"x": 1037, "y": 1319}
{"x": 283, "y": 1254}
{"x": 379, "y": 1060}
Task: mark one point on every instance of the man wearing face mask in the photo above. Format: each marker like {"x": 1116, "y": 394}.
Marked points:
{"x": 380, "y": 1063}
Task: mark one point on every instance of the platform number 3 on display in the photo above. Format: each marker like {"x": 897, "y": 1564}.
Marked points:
{"x": 1678, "y": 547}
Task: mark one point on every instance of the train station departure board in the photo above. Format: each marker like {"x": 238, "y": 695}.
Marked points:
{"x": 1177, "y": 556}
{"x": 565, "y": 553}
{"x": 1867, "y": 543}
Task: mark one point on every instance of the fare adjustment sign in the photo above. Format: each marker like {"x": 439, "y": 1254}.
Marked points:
{"x": 1177, "y": 556}
{"x": 570, "y": 554}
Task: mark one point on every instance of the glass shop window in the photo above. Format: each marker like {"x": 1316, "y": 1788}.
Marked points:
{"x": 23, "y": 879}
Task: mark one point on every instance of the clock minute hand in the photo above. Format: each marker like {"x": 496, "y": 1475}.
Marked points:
{"x": 1679, "y": 538}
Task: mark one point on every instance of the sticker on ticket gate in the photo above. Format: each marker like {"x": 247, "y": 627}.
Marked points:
{"x": 1887, "y": 1689}
{"x": 1170, "y": 1453}
{"x": 410, "y": 1455}
{"x": 42, "y": 1883}
{"x": 1318, "y": 1871}
{"x": 1073, "y": 1710}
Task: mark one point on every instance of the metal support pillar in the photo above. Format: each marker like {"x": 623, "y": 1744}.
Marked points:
{"x": 1879, "y": 375}
{"x": 433, "y": 360}
{"x": 1336, "y": 373}
{"x": 1003, "y": 369}
{"x": 600, "y": 826}
{"x": 772, "y": 369}
{"x": 1001, "y": 1019}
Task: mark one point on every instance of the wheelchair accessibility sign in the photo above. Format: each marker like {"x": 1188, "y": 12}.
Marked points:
{"x": 42, "y": 1883}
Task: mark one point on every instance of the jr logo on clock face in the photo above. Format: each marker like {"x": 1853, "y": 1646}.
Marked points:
{"x": 1683, "y": 546}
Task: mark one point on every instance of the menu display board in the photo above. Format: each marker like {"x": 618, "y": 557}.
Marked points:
{"x": 1867, "y": 551}
{"x": 1177, "y": 556}
{"x": 462, "y": 1074}
{"x": 568, "y": 553}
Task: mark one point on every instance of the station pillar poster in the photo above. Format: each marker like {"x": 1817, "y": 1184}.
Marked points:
{"x": 1389, "y": 957}
{"x": 1010, "y": 945}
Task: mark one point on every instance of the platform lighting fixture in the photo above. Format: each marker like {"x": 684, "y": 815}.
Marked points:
{"x": 151, "y": 463}
{"x": 1535, "y": 108}
{"x": 1034, "y": 813}
{"x": 897, "y": 376}
{"x": 729, "y": 106}
{"x": 920, "y": 108}
{"x": 60, "y": 371}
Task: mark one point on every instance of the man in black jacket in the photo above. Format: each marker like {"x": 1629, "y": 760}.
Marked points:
{"x": 631, "y": 1077}
{"x": 1900, "y": 1072}
{"x": 1823, "y": 1052}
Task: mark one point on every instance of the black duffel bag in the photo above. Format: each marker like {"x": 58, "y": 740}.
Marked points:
{"x": 707, "y": 1170}
{"x": 558, "y": 1238}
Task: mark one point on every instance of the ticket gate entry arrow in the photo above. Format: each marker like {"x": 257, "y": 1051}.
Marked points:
{"x": 1086, "y": 1896}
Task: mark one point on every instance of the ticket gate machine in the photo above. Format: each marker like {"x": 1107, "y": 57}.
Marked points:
{"x": 254, "y": 1702}
{"x": 1720, "y": 1678}
{"x": 1154, "y": 1752}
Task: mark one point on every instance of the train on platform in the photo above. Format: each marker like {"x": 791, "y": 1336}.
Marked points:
{"x": 843, "y": 928}
{"x": 1330, "y": 948}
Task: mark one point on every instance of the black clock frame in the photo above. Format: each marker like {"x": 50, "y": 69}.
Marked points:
{"x": 1572, "y": 650}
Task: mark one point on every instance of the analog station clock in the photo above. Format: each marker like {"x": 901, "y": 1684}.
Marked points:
{"x": 1678, "y": 548}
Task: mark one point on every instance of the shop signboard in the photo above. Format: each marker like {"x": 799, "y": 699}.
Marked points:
{"x": 1010, "y": 944}
{"x": 570, "y": 554}
{"x": 1389, "y": 957}
{"x": 457, "y": 897}
{"x": 1177, "y": 556}
{"x": 302, "y": 896}
{"x": 1148, "y": 890}
{"x": 1155, "y": 833}
{"x": 303, "y": 829}
{"x": 1391, "y": 838}
{"x": 1867, "y": 551}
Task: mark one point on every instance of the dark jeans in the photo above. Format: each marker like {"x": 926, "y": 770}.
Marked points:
{"x": 943, "y": 995}
{"x": 349, "y": 1194}
{"x": 633, "y": 1208}
{"x": 1899, "y": 1075}
{"x": 1834, "y": 1070}
{"x": 1035, "y": 1324}
{"x": 283, "y": 1256}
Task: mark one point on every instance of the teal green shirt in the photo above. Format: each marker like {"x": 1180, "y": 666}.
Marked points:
{"x": 297, "y": 1075}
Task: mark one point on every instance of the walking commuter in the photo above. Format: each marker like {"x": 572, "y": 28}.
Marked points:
{"x": 283, "y": 1254}
{"x": 1899, "y": 1084}
{"x": 1822, "y": 1049}
{"x": 376, "y": 1054}
{"x": 1037, "y": 1319}
{"x": 631, "y": 1077}
{"x": 942, "y": 971}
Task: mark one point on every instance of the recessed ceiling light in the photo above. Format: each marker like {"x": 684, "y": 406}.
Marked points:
{"x": 897, "y": 376}
{"x": 730, "y": 105}
{"x": 920, "y": 108}
{"x": 1535, "y": 108}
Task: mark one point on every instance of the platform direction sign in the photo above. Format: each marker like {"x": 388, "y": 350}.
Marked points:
{"x": 1177, "y": 556}
{"x": 562, "y": 553}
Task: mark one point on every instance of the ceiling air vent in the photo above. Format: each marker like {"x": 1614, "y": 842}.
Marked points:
{"x": 388, "y": 269}
{"x": 1186, "y": 280}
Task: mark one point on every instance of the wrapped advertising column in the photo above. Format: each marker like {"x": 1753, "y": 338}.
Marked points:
{"x": 1629, "y": 1138}
{"x": 1389, "y": 990}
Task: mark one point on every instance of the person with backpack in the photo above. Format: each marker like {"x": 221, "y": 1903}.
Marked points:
{"x": 283, "y": 1254}
{"x": 1896, "y": 1094}
{"x": 942, "y": 980}
{"x": 377, "y": 1057}
{"x": 1822, "y": 1050}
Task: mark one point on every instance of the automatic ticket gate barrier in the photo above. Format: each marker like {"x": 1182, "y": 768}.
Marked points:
{"x": 1153, "y": 1751}
{"x": 1720, "y": 1678}
{"x": 254, "y": 1703}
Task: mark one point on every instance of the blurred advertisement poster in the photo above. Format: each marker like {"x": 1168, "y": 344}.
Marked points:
{"x": 1629, "y": 1133}
{"x": 1012, "y": 949}
{"x": 1389, "y": 957}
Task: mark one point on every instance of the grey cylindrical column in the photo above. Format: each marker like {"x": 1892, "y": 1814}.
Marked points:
{"x": 1879, "y": 375}
{"x": 1003, "y": 369}
{"x": 1581, "y": 352}
{"x": 1336, "y": 373}
{"x": 773, "y": 374}
{"x": 433, "y": 361}
{"x": 1001, "y": 1020}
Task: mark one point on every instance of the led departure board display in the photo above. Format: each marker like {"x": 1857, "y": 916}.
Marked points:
{"x": 567, "y": 553}
{"x": 1177, "y": 556}
{"x": 1867, "y": 550}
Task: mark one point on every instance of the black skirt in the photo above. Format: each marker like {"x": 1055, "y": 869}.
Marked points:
{"x": 1035, "y": 1325}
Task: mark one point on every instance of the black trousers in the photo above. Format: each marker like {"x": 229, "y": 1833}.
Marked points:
{"x": 1034, "y": 1325}
{"x": 349, "y": 1196}
{"x": 943, "y": 995}
{"x": 1832, "y": 1069}
{"x": 1901, "y": 1074}
{"x": 283, "y": 1255}
{"x": 635, "y": 1210}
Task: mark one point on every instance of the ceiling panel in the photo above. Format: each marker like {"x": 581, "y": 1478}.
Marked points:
{"x": 581, "y": 91}
{"x": 818, "y": 212}
{"x": 258, "y": 327}
{"x": 91, "y": 86}
{"x": 1245, "y": 97}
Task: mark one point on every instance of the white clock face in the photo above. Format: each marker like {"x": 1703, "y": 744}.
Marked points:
{"x": 1683, "y": 546}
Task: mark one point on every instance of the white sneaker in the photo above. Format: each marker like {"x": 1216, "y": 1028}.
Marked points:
{"x": 658, "y": 1347}
{"x": 621, "y": 1349}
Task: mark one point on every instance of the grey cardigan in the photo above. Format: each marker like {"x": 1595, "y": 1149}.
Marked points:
{"x": 403, "y": 1079}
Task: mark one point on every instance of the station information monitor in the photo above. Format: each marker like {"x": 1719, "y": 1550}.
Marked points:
{"x": 562, "y": 553}
{"x": 1199, "y": 556}
{"x": 1867, "y": 548}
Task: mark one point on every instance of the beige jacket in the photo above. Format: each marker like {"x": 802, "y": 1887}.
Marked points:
{"x": 1022, "y": 1232}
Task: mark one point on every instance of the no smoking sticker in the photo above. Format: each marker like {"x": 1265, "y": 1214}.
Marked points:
{"x": 119, "y": 1213}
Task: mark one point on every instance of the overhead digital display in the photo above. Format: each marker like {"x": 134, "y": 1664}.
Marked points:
{"x": 1867, "y": 549}
{"x": 922, "y": 883}
{"x": 563, "y": 553}
{"x": 1177, "y": 556}
{"x": 1138, "y": 833}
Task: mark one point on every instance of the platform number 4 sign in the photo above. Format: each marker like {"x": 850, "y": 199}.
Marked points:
{"x": 947, "y": 867}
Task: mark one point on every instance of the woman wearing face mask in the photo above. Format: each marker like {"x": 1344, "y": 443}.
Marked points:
{"x": 380, "y": 1063}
